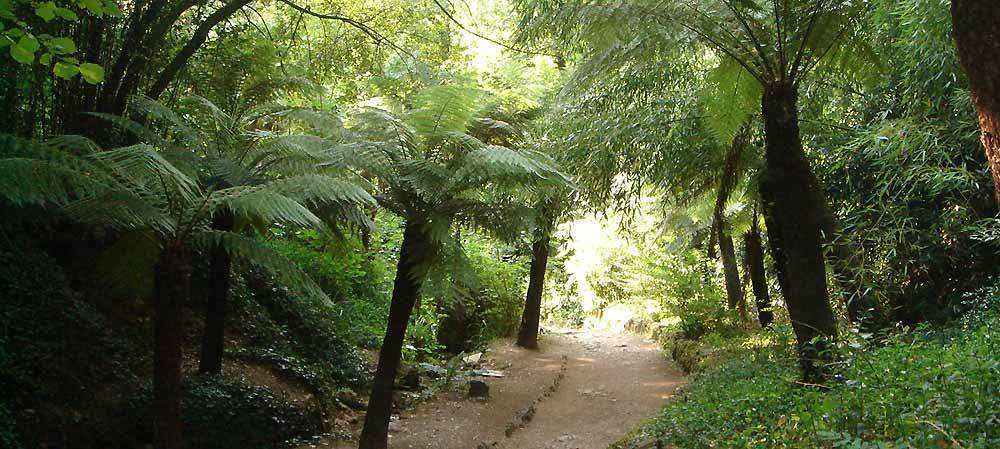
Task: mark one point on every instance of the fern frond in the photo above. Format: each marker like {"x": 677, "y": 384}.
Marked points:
{"x": 730, "y": 97}
{"x": 181, "y": 130}
{"x": 32, "y": 173}
{"x": 262, "y": 206}
{"x": 255, "y": 252}
{"x": 501, "y": 164}
{"x": 123, "y": 210}
{"x": 444, "y": 109}
{"x": 143, "y": 166}
{"x": 317, "y": 189}
{"x": 73, "y": 144}
{"x": 134, "y": 128}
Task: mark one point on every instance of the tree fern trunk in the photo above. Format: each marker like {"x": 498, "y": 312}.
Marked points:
{"x": 409, "y": 278}
{"x": 219, "y": 284}
{"x": 734, "y": 289}
{"x": 797, "y": 220}
{"x": 774, "y": 242}
{"x": 527, "y": 336}
{"x": 754, "y": 257}
{"x": 976, "y": 26}
{"x": 171, "y": 291}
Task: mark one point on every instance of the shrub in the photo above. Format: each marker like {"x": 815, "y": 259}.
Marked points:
{"x": 227, "y": 413}
{"x": 297, "y": 337}
{"x": 358, "y": 282}
{"x": 60, "y": 364}
{"x": 923, "y": 389}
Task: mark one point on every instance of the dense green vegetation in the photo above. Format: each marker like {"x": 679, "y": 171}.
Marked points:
{"x": 234, "y": 223}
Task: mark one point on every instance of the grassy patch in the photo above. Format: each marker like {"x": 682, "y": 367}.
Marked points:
{"x": 925, "y": 388}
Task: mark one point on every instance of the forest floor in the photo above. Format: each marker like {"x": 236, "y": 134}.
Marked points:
{"x": 583, "y": 390}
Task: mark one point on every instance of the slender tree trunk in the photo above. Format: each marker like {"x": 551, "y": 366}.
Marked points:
{"x": 976, "y": 26}
{"x": 754, "y": 257}
{"x": 193, "y": 44}
{"x": 171, "y": 291}
{"x": 527, "y": 337}
{"x": 409, "y": 278}
{"x": 213, "y": 341}
{"x": 734, "y": 289}
{"x": 774, "y": 242}
{"x": 797, "y": 219}
{"x": 720, "y": 229}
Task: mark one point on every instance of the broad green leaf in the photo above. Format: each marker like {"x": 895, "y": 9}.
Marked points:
{"x": 24, "y": 50}
{"x": 45, "y": 59}
{"x": 65, "y": 71}
{"x": 111, "y": 8}
{"x": 21, "y": 55}
{"x": 67, "y": 14}
{"x": 62, "y": 46}
{"x": 29, "y": 43}
{"x": 47, "y": 11}
{"x": 94, "y": 6}
{"x": 92, "y": 73}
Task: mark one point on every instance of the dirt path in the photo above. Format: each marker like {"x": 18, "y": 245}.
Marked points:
{"x": 613, "y": 382}
{"x": 583, "y": 390}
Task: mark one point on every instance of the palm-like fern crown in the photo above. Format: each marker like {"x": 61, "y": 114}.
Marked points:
{"x": 438, "y": 163}
{"x": 197, "y": 161}
{"x": 428, "y": 157}
{"x": 662, "y": 88}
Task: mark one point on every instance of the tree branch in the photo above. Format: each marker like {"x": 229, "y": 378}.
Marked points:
{"x": 486, "y": 38}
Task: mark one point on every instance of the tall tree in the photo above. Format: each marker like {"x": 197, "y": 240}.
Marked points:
{"x": 778, "y": 44}
{"x": 547, "y": 212}
{"x": 976, "y": 26}
{"x": 753, "y": 253}
{"x": 242, "y": 149}
{"x": 720, "y": 226}
{"x": 153, "y": 200}
{"x": 434, "y": 175}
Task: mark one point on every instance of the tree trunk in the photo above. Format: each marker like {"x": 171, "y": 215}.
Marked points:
{"x": 213, "y": 341}
{"x": 734, "y": 290}
{"x": 976, "y": 26}
{"x": 774, "y": 242}
{"x": 410, "y": 272}
{"x": 171, "y": 291}
{"x": 193, "y": 44}
{"x": 754, "y": 261}
{"x": 527, "y": 336}
{"x": 720, "y": 229}
{"x": 797, "y": 219}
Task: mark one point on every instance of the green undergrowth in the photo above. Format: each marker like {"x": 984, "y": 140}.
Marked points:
{"x": 214, "y": 406}
{"x": 920, "y": 388}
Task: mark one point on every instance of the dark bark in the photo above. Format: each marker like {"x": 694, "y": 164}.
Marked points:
{"x": 797, "y": 220}
{"x": 774, "y": 242}
{"x": 734, "y": 289}
{"x": 527, "y": 336}
{"x": 146, "y": 35}
{"x": 976, "y": 27}
{"x": 193, "y": 44}
{"x": 139, "y": 23}
{"x": 410, "y": 272}
{"x": 720, "y": 229}
{"x": 753, "y": 251}
{"x": 171, "y": 291}
{"x": 213, "y": 341}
